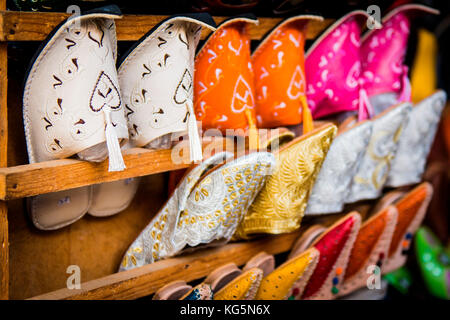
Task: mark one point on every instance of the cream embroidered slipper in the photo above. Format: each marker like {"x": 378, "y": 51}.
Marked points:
{"x": 156, "y": 79}
{"x": 206, "y": 206}
{"x": 72, "y": 106}
{"x": 339, "y": 167}
{"x": 376, "y": 162}
{"x": 416, "y": 140}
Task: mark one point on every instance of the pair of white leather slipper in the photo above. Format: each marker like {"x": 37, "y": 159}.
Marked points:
{"x": 76, "y": 103}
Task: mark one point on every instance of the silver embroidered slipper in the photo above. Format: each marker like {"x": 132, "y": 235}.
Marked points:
{"x": 206, "y": 206}
{"x": 72, "y": 106}
{"x": 156, "y": 79}
{"x": 340, "y": 166}
{"x": 416, "y": 140}
{"x": 376, "y": 162}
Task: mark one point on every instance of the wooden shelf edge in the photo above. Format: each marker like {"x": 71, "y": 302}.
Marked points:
{"x": 146, "y": 280}
{"x": 58, "y": 175}
{"x": 35, "y": 26}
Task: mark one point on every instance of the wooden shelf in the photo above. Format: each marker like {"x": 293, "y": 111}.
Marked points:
{"x": 143, "y": 281}
{"x": 57, "y": 249}
{"x": 58, "y": 175}
{"x": 35, "y": 26}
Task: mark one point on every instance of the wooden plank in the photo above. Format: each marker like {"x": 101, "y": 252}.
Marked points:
{"x": 35, "y": 26}
{"x": 51, "y": 176}
{"x": 4, "y": 252}
{"x": 143, "y": 281}
{"x": 4, "y": 236}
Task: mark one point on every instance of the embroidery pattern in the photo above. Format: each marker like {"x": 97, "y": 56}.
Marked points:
{"x": 201, "y": 211}
{"x": 280, "y": 205}
{"x": 337, "y": 172}
{"x": 164, "y": 62}
{"x": 416, "y": 140}
{"x": 374, "y": 168}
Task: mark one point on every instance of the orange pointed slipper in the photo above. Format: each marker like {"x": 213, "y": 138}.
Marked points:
{"x": 223, "y": 86}
{"x": 334, "y": 247}
{"x": 279, "y": 66}
{"x": 370, "y": 248}
{"x": 243, "y": 287}
{"x": 288, "y": 280}
{"x": 411, "y": 211}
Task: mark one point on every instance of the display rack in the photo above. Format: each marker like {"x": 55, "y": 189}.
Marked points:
{"x": 20, "y": 181}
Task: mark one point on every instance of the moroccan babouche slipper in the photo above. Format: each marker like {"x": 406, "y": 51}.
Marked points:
{"x": 335, "y": 55}
{"x": 180, "y": 290}
{"x": 280, "y": 205}
{"x": 279, "y": 67}
{"x": 374, "y": 169}
{"x": 370, "y": 249}
{"x": 200, "y": 292}
{"x": 207, "y": 205}
{"x": 411, "y": 207}
{"x": 156, "y": 78}
{"x": 230, "y": 283}
{"x": 339, "y": 167}
{"x": 72, "y": 106}
{"x": 334, "y": 246}
{"x": 289, "y": 279}
{"x": 385, "y": 78}
{"x": 384, "y": 74}
{"x": 224, "y": 95}
{"x": 172, "y": 291}
{"x": 333, "y": 69}
{"x": 416, "y": 140}
{"x": 434, "y": 262}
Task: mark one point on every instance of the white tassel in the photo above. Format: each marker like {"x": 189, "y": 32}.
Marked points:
{"x": 195, "y": 145}
{"x": 116, "y": 162}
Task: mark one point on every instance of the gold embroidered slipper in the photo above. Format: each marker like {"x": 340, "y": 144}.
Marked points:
{"x": 207, "y": 205}
{"x": 280, "y": 205}
{"x": 72, "y": 106}
{"x": 289, "y": 279}
{"x": 230, "y": 283}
